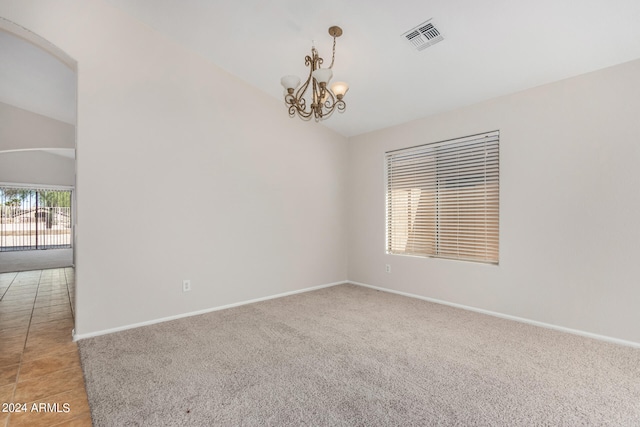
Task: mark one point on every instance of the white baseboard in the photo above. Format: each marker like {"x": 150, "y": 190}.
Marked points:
{"x": 507, "y": 316}
{"x": 77, "y": 337}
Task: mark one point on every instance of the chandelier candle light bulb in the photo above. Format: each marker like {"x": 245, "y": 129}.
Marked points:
{"x": 322, "y": 75}
{"x": 290, "y": 83}
{"x": 339, "y": 89}
{"x": 320, "y": 102}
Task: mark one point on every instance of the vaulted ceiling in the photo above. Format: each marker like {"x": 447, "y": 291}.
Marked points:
{"x": 490, "y": 48}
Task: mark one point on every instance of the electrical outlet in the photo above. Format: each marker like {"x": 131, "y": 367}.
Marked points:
{"x": 186, "y": 285}
{"x": 387, "y": 268}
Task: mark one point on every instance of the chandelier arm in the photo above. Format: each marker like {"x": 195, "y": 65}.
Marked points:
{"x": 338, "y": 104}
{"x": 330, "y": 101}
{"x": 298, "y": 105}
{"x": 328, "y": 112}
{"x": 294, "y": 108}
{"x": 306, "y": 115}
{"x": 294, "y": 104}
{"x": 300, "y": 93}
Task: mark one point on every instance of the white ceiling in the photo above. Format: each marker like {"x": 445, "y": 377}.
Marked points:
{"x": 491, "y": 48}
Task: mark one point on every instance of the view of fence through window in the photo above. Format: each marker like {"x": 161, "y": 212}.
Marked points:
{"x": 34, "y": 219}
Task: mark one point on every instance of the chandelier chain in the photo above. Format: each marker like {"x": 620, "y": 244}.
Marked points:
{"x": 333, "y": 54}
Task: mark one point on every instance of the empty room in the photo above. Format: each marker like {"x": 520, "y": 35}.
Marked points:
{"x": 323, "y": 213}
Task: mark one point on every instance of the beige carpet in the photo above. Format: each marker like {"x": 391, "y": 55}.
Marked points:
{"x": 352, "y": 356}
{"x": 13, "y": 261}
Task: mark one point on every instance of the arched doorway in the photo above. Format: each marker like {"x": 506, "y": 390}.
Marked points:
{"x": 37, "y": 150}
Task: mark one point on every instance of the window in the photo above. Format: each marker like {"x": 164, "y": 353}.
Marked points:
{"x": 34, "y": 218}
{"x": 443, "y": 199}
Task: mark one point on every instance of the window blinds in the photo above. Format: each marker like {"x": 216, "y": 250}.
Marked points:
{"x": 443, "y": 199}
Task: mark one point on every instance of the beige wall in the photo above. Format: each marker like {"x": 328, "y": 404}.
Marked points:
{"x": 216, "y": 183}
{"x": 37, "y": 168}
{"x": 568, "y": 215}
{"x": 222, "y": 188}
{"x": 27, "y": 132}
{"x": 21, "y": 129}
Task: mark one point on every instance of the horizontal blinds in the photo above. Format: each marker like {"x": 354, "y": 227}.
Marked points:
{"x": 443, "y": 199}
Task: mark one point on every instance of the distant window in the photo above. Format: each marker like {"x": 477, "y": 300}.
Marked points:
{"x": 34, "y": 218}
{"x": 443, "y": 199}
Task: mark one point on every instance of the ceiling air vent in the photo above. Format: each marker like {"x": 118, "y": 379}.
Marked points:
{"x": 423, "y": 36}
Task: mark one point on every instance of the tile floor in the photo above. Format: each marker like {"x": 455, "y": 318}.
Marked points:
{"x": 39, "y": 362}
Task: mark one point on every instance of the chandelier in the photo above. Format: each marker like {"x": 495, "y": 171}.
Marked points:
{"x": 321, "y": 101}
